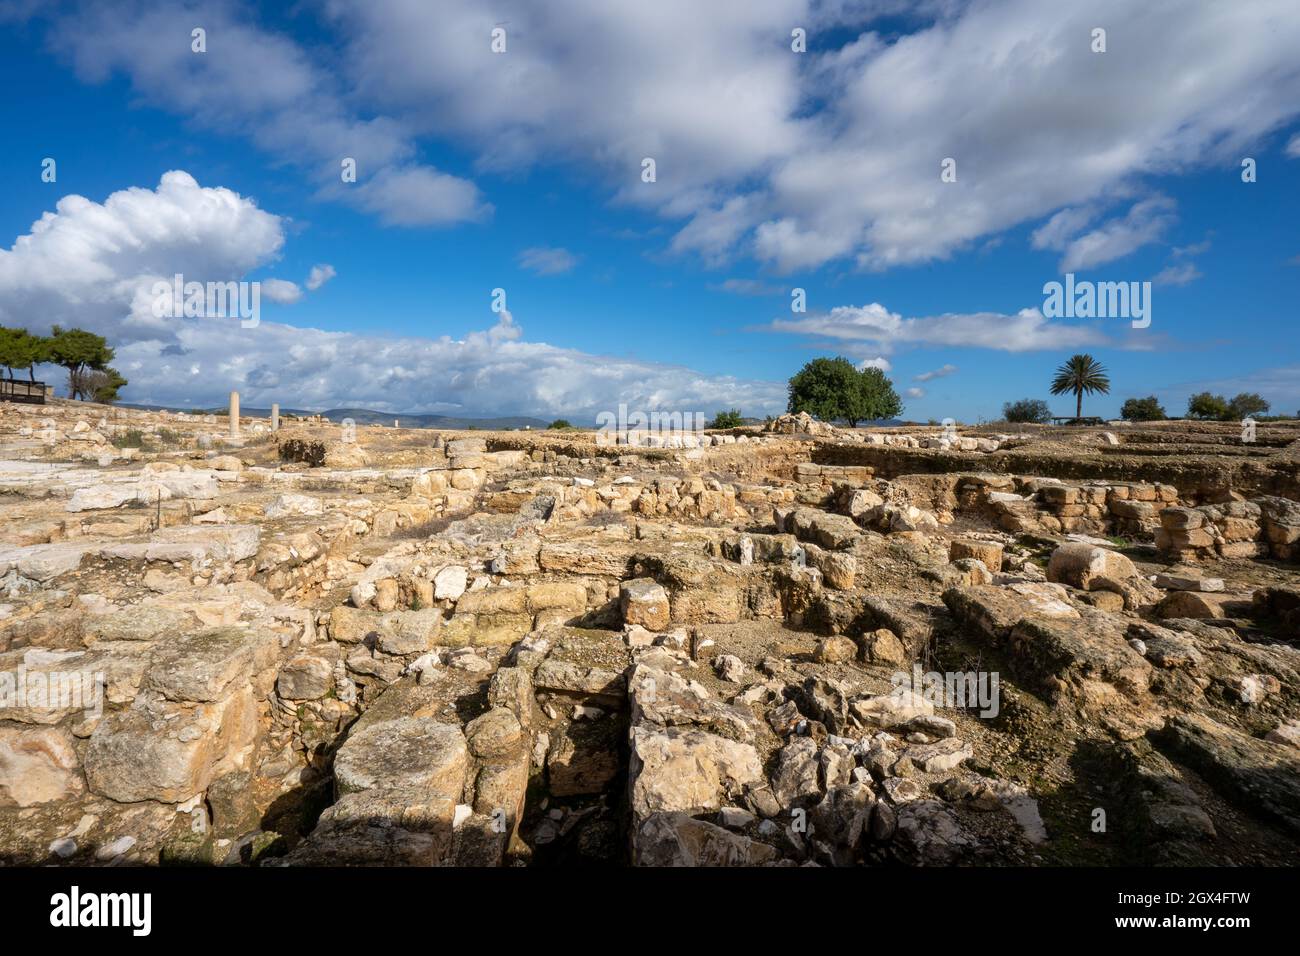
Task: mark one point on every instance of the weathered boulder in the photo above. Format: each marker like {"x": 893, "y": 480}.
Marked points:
{"x": 688, "y": 771}
{"x": 1091, "y": 568}
{"x": 643, "y": 601}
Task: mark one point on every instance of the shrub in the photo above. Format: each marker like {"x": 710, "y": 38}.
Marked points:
{"x": 1206, "y": 406}
{"x": 1247, "y": 404}
{"x": 298, "y": 450}
{"x": 131, "y": 438}
{"x": 1142, "y": 410}
{"x": 728, "y": 419}
{"x": 560, "y": 423}
{"x": 1027, "y": 410}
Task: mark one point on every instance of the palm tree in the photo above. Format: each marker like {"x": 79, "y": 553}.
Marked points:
{"x": 1082, "y": 373}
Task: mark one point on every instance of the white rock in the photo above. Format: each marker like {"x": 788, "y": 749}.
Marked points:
{"x": 450, "y": 583}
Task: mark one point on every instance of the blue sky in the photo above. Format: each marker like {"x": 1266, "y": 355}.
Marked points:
{"x": 775, "y": 170}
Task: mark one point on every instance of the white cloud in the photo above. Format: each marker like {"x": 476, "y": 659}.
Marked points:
{"x": 941, "y": 372}
{"x": 875, "y": 328}
{"x": 262, "y": 85}
{"x": 1180, "y": 274}
{"x": 1293, "y": 147}
{"x": 797, "y": 159}
{"x": 417, "y": 196}
{"x": 1145, "y": 222}
{"x": 915, "y": 392}
{"x": 879, "y": 362}
{"x": 751, "y": 287}
{"x": 93, "y": 265}
{"x": 319, "y": 275}
{"x": 547, "y": 261}
{"x": 491, "y": 372}
{"x": 281, "y": 290}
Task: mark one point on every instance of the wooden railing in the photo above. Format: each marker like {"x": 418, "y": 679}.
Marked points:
{"x": 18, "y": 390}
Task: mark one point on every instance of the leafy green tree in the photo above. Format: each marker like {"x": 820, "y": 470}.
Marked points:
{"x": 1027, "y": 410}
{"x": 728, "y": 419}
{"x": 1082, "y": 373}
{"x": 79, "y": 351}
{"x": 1142, "y": 410}
{"x": 1205, "y": 406}
{"x": 20, "y": 349}
{"x": 879, "y": 400}
{"x": 820, "y": 386}
{"x": 832, "y": 389}
{"x": 1247, "y": 404}
{"x": 560, "y": 423}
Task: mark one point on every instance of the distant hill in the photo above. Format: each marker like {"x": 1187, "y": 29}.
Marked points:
{"x": 367, "y": 416}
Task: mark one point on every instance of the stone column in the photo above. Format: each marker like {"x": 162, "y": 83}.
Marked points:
{"x": 234, "y": 414}
{"x": 275, "y": 418}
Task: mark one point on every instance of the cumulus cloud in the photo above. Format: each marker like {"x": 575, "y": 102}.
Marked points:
{"x": 547, "y": 261}
{"x": 795, "y": 159}
{"x": 493, "y": 371}
{"x": 94, "y": 265}
{"x": 319, "y": 275}
{"x": 879, "y": 362}
{"x": 265, "y": 86}
{"x": 875, "y": 328}
{"x": 281, "y": 290}
{"x": 915, "y": 392}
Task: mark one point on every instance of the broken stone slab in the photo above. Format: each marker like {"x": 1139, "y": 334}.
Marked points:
{"x": 235, "y": 542}
{"x": 205, "y": 666}
{"x": 569, "y": 677}
{"x": 1201, "y": 606}
{"x": 892, "y": 709}
{"x": 420, "y": 753}
{"x": 687, "y": 770}
{"x": 1187, "y": 582}
{"x": 37, "y": 765}
{"x": 796, "y": 778}
{"x": 1257, "y": 774}
{"x": 158, "y": 750}
{"x": 928, "y": 834}
{"x": 677, "y": 839}
{"x": 939, "y": 757}
{"x": 644, "y": 601}
{"x": 662, "y": 696}
{"x": 292, "y": 503}
{"x": 988, "y": 552}
{"x": 305, "y": 677}
{"x": 44, "y": 562}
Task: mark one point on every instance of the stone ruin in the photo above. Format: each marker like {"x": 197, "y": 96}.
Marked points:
{"x": 781, "y": 645}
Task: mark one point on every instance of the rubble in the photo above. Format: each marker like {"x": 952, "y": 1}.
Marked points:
{"x": 768, "y": 646}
